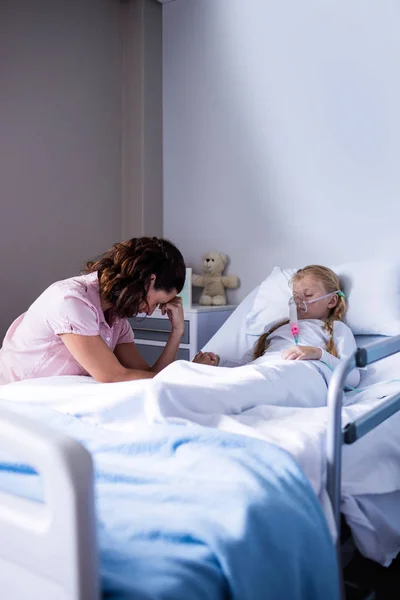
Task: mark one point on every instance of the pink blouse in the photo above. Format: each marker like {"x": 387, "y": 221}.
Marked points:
{"x": 32, "y": 346}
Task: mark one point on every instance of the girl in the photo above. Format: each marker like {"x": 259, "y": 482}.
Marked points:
{"x": 323, "y": 337}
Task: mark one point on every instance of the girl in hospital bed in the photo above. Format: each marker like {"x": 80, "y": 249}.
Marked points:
{"x": 317, "y": 336}
{"x": 289, "y": 366}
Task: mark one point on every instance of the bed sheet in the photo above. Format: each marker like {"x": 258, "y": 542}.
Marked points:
{"x": 191, "y": 512}
{"x": 300, "y": 431}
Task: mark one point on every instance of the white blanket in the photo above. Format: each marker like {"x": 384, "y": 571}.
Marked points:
{"x": 248, "y": 400}
{"x": 261, "y": 399}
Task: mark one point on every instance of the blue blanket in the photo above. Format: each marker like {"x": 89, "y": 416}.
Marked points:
{"x": 189, "y": 513}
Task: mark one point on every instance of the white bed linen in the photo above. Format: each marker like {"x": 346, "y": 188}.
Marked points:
{"x": 371, "y": 466}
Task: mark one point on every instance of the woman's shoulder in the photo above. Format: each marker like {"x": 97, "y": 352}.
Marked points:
{"x": 81, "y": 287}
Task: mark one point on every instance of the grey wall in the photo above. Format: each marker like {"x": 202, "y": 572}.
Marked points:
{"x": 60, "y": 142}
{"x": 142, "y": 172}
{"x": 281, "y": 131}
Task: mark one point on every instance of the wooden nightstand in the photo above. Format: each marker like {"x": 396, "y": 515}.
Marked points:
{"x": 201, "y": 322}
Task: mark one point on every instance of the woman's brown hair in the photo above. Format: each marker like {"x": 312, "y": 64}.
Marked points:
{"x": 331, "y": 283}
{"x": 125, "y": 272}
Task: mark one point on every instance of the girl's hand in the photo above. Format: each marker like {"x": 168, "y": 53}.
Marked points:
{"x": 174, "y": 312}
{"x": 302, "y": 353}
{"x": 207, "y": 358}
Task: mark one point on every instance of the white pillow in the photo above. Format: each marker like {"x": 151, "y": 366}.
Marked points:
{"x": 372, "y": 291}
{"x": 231, "y": 341}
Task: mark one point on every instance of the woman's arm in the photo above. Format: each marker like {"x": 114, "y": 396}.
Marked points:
{"x": 93, "y": 354}
{"x": 130, "y": 357}
{"x": 126, "y": 364}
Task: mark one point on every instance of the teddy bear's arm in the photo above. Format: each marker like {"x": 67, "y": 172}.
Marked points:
{"x": 198, "y": 280}
{"x": 230, "y": 281}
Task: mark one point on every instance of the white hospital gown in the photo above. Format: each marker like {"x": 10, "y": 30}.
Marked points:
{"x": 311, "y": 333}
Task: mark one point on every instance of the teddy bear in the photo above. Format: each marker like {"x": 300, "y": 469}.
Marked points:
{"x": 212, "y": 280}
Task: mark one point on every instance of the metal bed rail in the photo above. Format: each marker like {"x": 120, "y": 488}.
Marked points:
{"x": 336, "y": 435}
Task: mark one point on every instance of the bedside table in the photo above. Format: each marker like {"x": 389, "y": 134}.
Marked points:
{"x": 201, "y": 322}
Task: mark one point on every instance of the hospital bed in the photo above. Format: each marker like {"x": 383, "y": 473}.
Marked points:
{"x": 355, "y": 429}
{"x": 193, "y": 514}
{"x": 368, "y": 503}
{"x": 64, "y": 542}
{"x": 57, "y": 551}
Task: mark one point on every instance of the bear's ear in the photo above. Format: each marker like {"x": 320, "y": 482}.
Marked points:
{"x": 223, "y": 257}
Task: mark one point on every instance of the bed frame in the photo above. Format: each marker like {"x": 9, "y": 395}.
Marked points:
{"x": 59, "y": 557}
{"x": 337, "y": 435}
{"x": 48, "y": 551}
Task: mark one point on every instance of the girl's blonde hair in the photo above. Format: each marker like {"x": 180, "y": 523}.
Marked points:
{"x": 331, "y": 283}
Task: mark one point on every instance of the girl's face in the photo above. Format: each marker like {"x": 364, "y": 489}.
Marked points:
{"x": 308, "y": 288}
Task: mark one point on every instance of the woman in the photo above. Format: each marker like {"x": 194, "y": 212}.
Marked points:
{"x": 79, "y": 326}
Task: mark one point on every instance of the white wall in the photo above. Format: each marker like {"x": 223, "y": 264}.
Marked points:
{"x": 60, "y": 142}
{"x": 282, "y": 131}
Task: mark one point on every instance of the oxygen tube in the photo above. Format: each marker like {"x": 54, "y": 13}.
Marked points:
{"x": 294, "y": 326}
